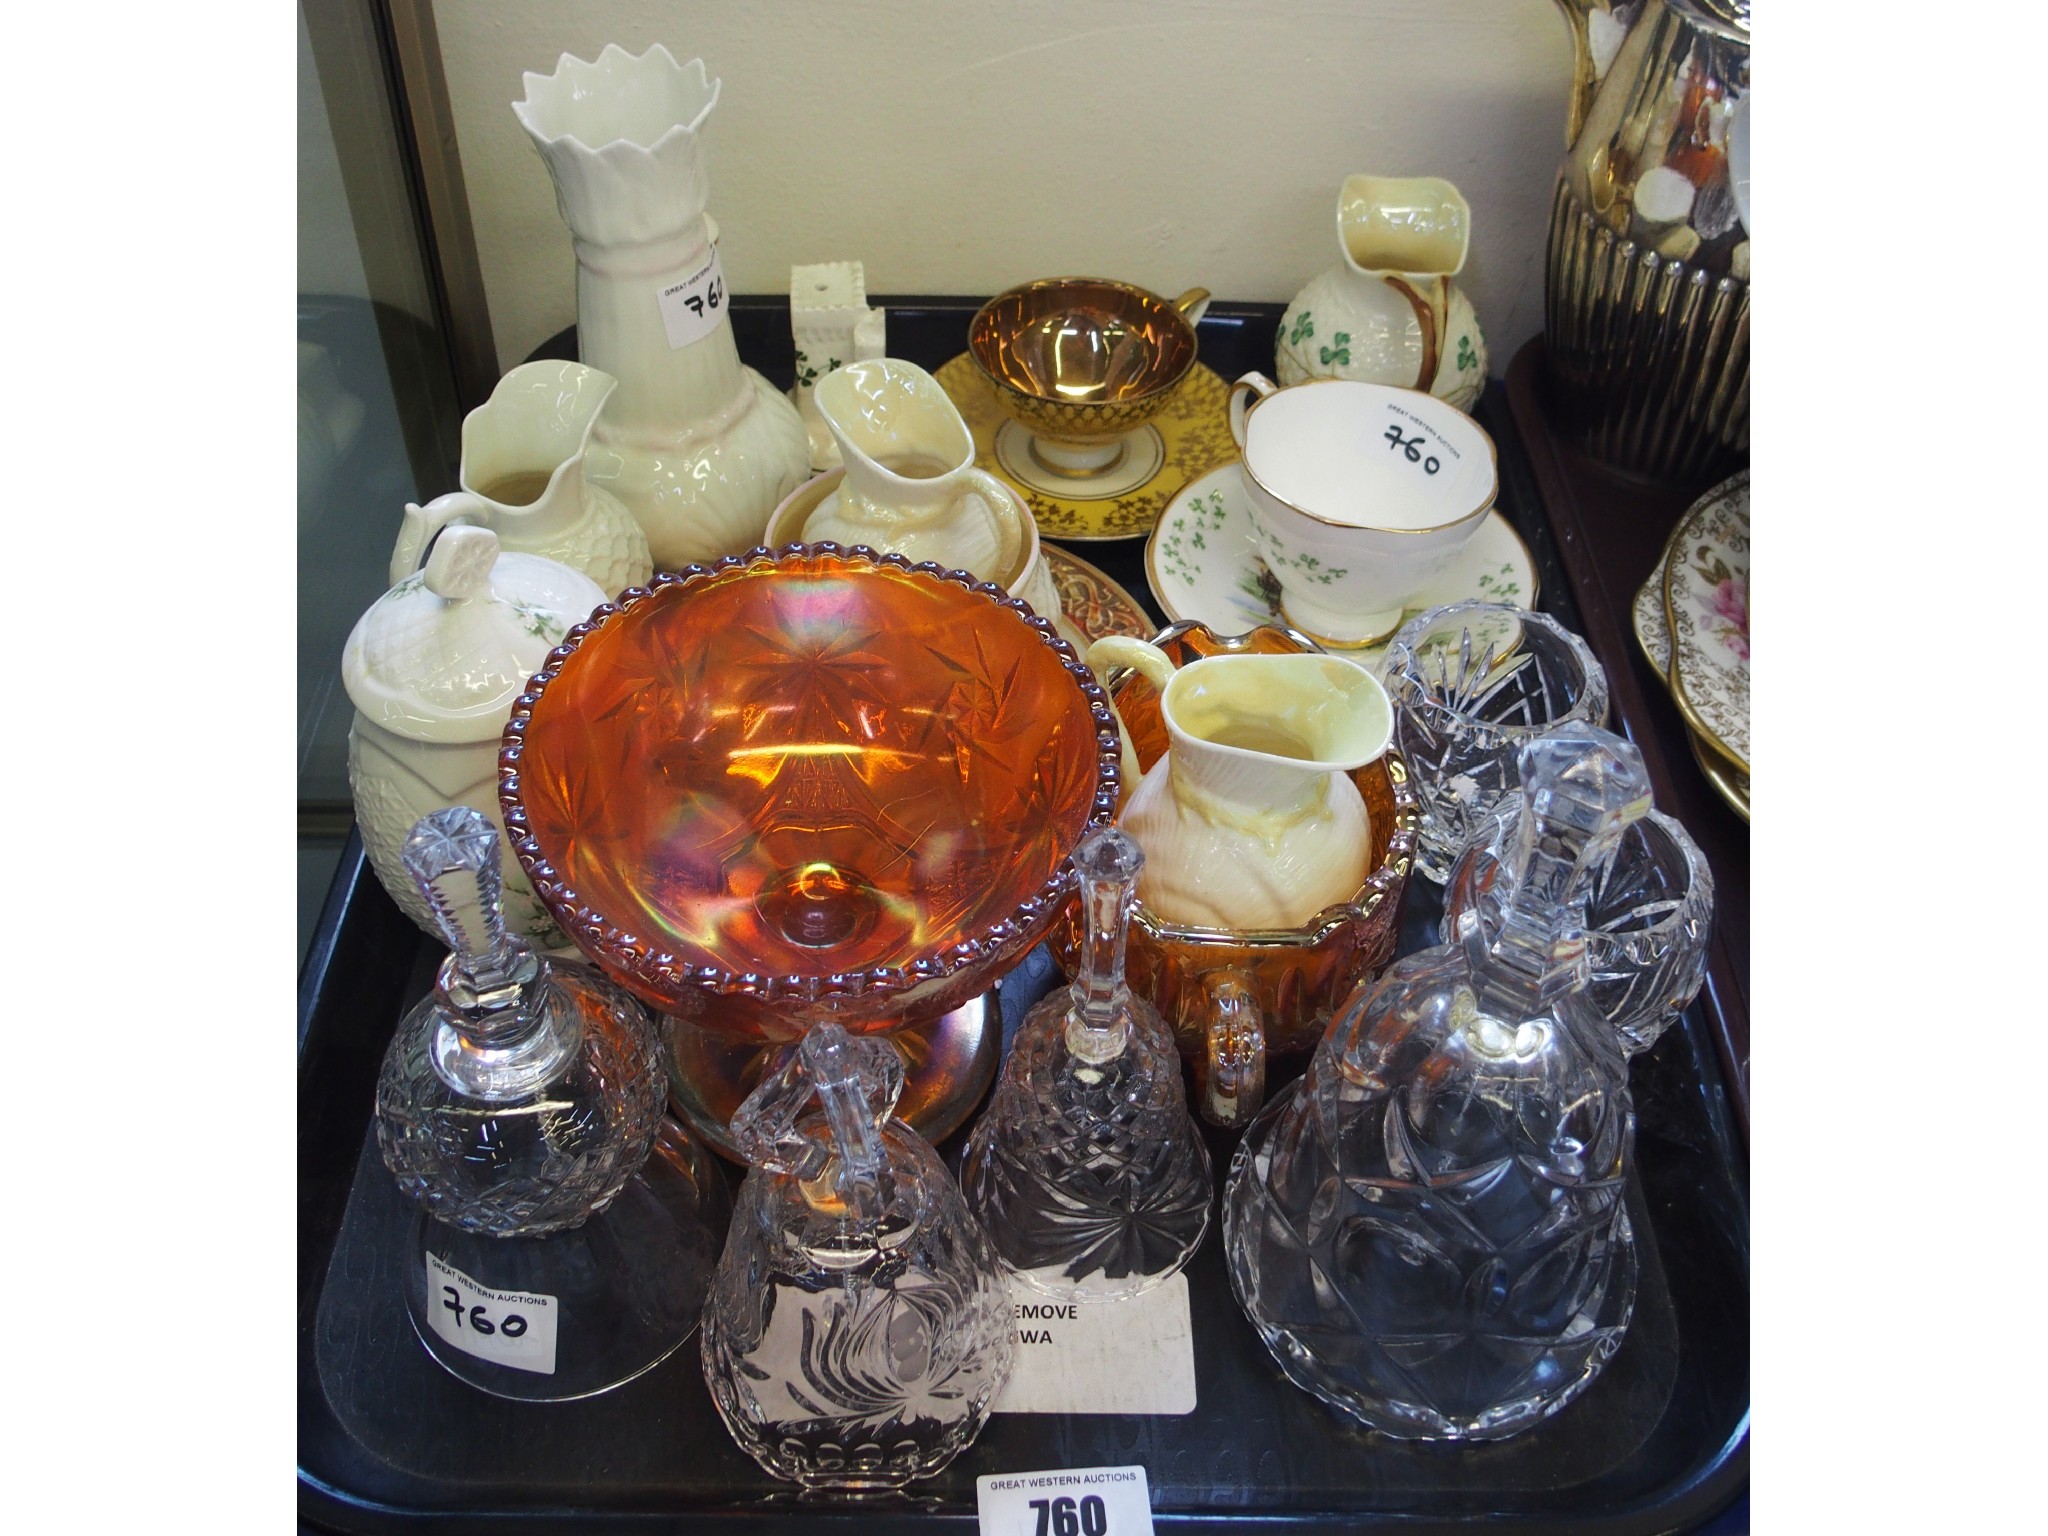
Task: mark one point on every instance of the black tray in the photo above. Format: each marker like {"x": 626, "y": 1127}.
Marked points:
{"x": 389, "y": 1441}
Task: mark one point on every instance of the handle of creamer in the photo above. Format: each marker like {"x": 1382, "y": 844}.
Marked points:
{"x": 1123, "y": 651}
{"x": 1253, "y": 383}
{"x": 1193, "y": 305}
{"x": 422, "y": 523}
{"x": 1010, "y": 513}
{"x": 1233, "y": 1066}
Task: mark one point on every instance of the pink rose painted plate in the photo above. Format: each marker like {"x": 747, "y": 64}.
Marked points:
{"x": 1706, "y": 610}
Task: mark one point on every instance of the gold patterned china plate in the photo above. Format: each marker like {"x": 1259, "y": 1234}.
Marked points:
{"x": 1092, "y": 602}
{"x": 1653, "y": 635}
{"x": 1728, "y": 774}
{"x": 1189, "y": 437}
{"x": 1202, "y": 562}
{"x": 1706, "y": 613}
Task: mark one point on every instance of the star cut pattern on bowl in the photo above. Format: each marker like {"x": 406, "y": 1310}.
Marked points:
{"x": 807, "y": 782}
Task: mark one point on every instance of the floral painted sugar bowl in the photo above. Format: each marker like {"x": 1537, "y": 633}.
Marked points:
{"x": 433, "y": 667}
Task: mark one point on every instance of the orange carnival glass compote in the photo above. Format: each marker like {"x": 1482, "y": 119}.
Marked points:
{"x": 815, "y": 782}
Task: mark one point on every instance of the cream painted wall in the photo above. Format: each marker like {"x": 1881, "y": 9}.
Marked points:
{"x": 960, "y": 146}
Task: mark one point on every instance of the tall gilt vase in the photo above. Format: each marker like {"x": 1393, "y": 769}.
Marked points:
{"x": 699, "y": 448}
{"x": 1646, "y": 294}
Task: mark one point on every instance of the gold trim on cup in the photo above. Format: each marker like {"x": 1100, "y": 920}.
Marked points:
{"x": 1159, "y": 587}
{"x": 1486, "y": 437}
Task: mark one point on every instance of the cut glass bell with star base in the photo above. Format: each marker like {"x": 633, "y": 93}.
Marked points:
{"x": 1087, "y": 1171}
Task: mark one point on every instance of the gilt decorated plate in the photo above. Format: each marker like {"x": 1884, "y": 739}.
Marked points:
{"x": 1706, "y": 612}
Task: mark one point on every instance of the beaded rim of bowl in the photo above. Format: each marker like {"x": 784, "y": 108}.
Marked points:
{"x": 664, "y": 973}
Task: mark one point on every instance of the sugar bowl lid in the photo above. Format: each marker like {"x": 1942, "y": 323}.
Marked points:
{"x": 442, "y": 655}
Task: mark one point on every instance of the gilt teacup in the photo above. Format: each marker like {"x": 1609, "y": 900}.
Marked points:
{"x": 1361, "y": 495}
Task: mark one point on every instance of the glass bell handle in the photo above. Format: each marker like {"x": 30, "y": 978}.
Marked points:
{"x": 1582, "y": 787}
{"x": 856, "y": 1080}
{"x": 452, "y": 856}
{"x": 1108, "y": 862}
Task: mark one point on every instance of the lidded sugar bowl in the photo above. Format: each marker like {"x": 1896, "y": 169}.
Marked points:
{"x": 433, "y": 667}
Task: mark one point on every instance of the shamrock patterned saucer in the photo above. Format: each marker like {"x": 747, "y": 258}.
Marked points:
{"x": 1189, "y": 436}
{"x": 1202, "y": 563}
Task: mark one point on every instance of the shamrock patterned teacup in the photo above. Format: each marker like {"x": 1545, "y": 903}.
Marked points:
{"x": 1360, "y": 495}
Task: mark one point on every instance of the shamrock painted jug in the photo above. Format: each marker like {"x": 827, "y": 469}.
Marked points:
{"x": 1388, "y": 313}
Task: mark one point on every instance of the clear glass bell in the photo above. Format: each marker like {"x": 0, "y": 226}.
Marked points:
{"x": 858, "y": 1329}
{"x": 1428, "y": 1228}
{"x": 518, "y": 1105}
{"x": 1086, "y": 1170}
{"x": 1649, "y": 910}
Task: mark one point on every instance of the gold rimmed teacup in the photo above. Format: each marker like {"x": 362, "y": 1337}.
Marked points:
{"x": 1361, "y": 495}
{"x": 1083, "y": 362}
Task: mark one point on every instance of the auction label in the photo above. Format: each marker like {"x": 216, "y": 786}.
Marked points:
{"x": 515, "y": 1328}
{"x": 692, "y": 308}
{"x": 1135, "y": 1356}
{"x": 1094, "y": 1501}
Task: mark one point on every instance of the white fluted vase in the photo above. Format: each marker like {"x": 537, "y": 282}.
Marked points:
{"x": 699, "y": 447}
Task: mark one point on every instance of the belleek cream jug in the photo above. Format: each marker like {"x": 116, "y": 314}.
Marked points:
{"x": 524, "y": 454}
{"x": 1250, "y": 820}
{"x": 1388, "y": 313}
{"x": 911, "y": 487}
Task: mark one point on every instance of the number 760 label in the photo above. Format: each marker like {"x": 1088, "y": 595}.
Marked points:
{"x": 1092, "y": 1501}
{"x": 515, "y": 1328}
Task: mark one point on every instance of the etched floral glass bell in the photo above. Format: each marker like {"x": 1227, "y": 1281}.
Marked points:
{"x": 1428, "y": 1229}
{"x": 1087, "y": 1171}
{"x": 518, "y": 1104}
{"x": 858, "y": 1330}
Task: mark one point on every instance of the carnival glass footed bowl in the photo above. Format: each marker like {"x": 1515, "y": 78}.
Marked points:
{"x": 806, "y": 783}
{"x": 1234, "y": 996}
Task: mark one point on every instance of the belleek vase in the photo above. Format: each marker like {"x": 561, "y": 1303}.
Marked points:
{"x": 698, "y": 447}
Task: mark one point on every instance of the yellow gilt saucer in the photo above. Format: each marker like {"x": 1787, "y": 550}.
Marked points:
{"x": 1193, "y": 437}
